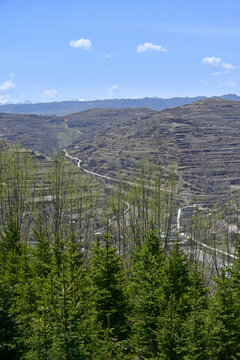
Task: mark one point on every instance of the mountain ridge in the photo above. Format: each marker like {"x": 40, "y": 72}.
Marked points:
{"x": 68, "y": 107}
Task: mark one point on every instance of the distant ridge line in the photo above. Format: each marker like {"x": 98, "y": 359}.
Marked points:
{"x": 68, "y": 107}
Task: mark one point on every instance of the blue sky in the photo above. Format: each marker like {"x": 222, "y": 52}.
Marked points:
{"x": 60, "y": 50}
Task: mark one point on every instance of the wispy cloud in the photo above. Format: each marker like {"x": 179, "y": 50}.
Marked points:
{"x": 7, "y": 85}
{"x": 150, "y": 47}
{"x": 228, "y": 83}
{"x": 3, "y": 99}
{"x": 112, "y": 90}
{"x": 84, "y": 44}
{"x": 218, "y": 65}
{"x": 192, "y": 29}
{"x": 108, "y": 56}
{"x": 50, "y": 94}
{"x": 11, "y": 75}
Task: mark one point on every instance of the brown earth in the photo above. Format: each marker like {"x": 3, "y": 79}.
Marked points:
{"x": 95, "y": 120}
{"x": 202, "y": 138}
{"x": 36, "y": 132}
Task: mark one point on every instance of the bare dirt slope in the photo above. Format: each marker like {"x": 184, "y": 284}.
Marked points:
{"x": 202, "y": 138}
{"x": 36, "y": 132}
{"x": 95, "y": 120}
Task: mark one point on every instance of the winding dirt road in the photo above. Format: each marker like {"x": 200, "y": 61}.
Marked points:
{"x": 184, "y": 235}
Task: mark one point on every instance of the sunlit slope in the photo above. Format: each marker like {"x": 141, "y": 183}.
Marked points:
{"x": 36, "y": 132}
{"x": 202, "y": 138}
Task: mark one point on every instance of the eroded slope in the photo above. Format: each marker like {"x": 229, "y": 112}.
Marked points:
{"x": 203, "y": 139}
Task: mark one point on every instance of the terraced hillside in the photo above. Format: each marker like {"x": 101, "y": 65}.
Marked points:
{"x": 92, "y": 121}
{"x": 42, "y": 133}
{"x": 202, "y": 138}
{"x": 47, "y": 133}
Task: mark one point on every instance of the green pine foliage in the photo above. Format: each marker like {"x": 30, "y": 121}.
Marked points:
{"x": 176, "y": 307}
{"x": 195, "y": 326}
{"x": 109, "y": 291}
{"x": 146, "y": 294}
{"x": 8, "y": 326}
{"x": 224, "y": 314}
{"x": 65, "y": 295}
{"x": 224, "y": 331}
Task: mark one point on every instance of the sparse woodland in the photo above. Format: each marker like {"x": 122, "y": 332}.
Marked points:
{"x": 69, "y": 291}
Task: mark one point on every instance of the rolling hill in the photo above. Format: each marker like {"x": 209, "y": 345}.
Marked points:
{"x": 36, "y": 132}
{"x": 47, "y": 133}
{"x": 202, "y": 139}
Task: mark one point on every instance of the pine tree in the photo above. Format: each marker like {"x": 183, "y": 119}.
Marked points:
{"x": 195, "y": 326}
{"x": 235, "y": 276}
{"x": 71, "y": 321}
{"x": 224, "y": 314}
{"x": 109, "y": 295}
{"x": 146, "y": 292}
{"x": 10, "y": 250}
{"x": 175, "y": 307}
{"x": 223, "y": 327}
{"x": 40, "y": 333}
{"x": 8, "y": 326}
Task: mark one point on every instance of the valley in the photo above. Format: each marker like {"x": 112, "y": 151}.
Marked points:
{"x": 141, "y": 188}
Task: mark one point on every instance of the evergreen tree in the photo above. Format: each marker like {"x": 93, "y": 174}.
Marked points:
{"x": 39, "y": 338}
{"x": 70, "y": 312}
{"x": 223, "y": 321}
{"x": 8, "y": 326}
{"x": 224, "y": 316}
{"x": 195, "y": 326}
{"x": 235, "y": 276}
{"x": 146, "y": 292}
{"x": 108, "y": 288}
{"x": 10, "y": 251}
{"x": 176, "y": 307}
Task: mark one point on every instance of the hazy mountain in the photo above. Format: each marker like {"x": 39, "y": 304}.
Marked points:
{"x": 68, "y": 107}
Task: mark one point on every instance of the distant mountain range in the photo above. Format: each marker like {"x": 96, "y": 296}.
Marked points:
{"x": 69, "y": 107}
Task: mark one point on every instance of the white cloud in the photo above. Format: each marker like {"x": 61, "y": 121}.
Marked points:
{"x": 150, "y": 47}
{"x": 3, "y": 99}
{"x": 108, "y": 56}
{"x": 228, "y": 66}
{"x": 214, "y": 61}
{"x": 84, "y": 44}
{"x": 11, "y": 75}
{"x": 79, "y": 99}
{"x": 7, "y": 85}
{"x": 227, "y": 83}
{"x": 216, "y": 73}
{"x": 51, "y": 94}
{"x": 217, "y": 64}
{"x": 112, "y": 90}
